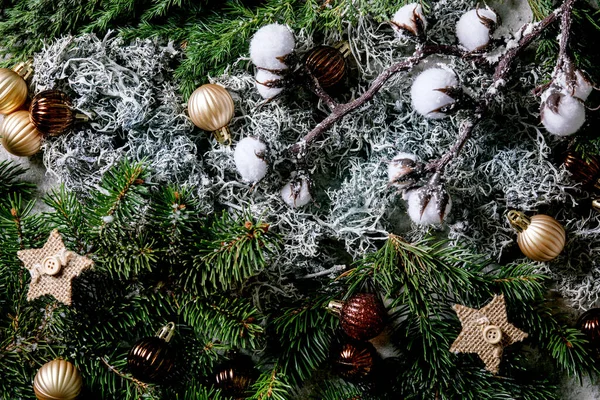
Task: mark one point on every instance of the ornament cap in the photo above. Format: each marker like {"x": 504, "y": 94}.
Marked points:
{"x": 24, "y": 69}
{"x": 166, "y": 332}
{"x": 343, "y": 47}
{"x": 518, "y": 220}
{"x": 223, "y": 135}
{"x": 81, "y": 117}
{"x": 335, "y": 307}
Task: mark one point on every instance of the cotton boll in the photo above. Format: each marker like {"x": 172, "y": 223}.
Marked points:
{"x": 268, "y": 84}
{"x": 409, "y": 19}
{"x": 403, "y": 169}
{"x": 474, "y": 28}
{"x": 249, "y": 157}
{"x": 270, "y": 44}
{"x": 296, "y": 193}
{"x": 429, "y": 92}
{"x": 431, "y": 213}
{"x": 561, "y": 114}
{"x": 582, "y": 87}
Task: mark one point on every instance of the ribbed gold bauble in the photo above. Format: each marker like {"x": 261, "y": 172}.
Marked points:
{"x": 540, "y": 237}
{"x": 13, "y": 89}
{"x": 19, "y": 135}
{"x": 57, "y": 380}
{"x": 211, "y": 108}
{"x": 51, "y": 111}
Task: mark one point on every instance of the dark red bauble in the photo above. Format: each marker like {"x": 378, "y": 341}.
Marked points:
{"x": 151, "y": 360}
{"x": 353, "y": 360}
{"x": 362, "y": 317}
{"x": 589, "y": 324}
{"x": 234, "y": 377}
{"x": 327, "y": 64}
{"x": 582, "y": 171}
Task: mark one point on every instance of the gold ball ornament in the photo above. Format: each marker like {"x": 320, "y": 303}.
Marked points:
{"x": 19, "y": 135}
{"x": 57, "y": 380}
{"x": 211, "y": 108}
{"x": 540, "y": 237}
{"x": 13, "y": 89}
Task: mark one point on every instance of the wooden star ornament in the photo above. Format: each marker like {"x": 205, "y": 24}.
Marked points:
{"x": 53, "y": 268}
{"x": 486, "y": 332}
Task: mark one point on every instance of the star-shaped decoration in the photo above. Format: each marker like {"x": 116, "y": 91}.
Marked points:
{"x": 486, "y": 332}
{"x": 52, "y": 269}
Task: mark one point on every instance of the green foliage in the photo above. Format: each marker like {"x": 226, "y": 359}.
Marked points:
{"x": 235, "y": 250}
{"x": 423, "y": 281}
{"x": 10, "y": 175}
{"x": 143, "y": 240}
{"x": 271, "y": 385}
{"x": 304, "y": 334}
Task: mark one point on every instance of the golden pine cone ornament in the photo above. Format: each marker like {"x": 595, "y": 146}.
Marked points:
{"x": 540, "y": 237}
{"x": 13, "y": 89}
{"x": 19, "y": 135}
{"x": 211, "y": 108}
{"x": 57, "y": 380}
{"x": 51, "y": 111}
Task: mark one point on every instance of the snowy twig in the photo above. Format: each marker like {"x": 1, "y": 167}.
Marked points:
{"x": 341, "y": 110}
{"x": 317, "y": 89}
{"x": 501, "y": 74}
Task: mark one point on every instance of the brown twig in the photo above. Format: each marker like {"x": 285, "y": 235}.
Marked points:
{"x": 341, "y": 110}
{"x": 500, "y": 76}
{"x": 139, "y": 383}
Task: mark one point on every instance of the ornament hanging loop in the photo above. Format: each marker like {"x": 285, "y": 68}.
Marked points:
{"x": 24, "y": 69}
{"x": 223, "y": 135}
{"x": 166, "y": 332}
{"x": 335, "y": 307}
{"x": 518, "y": 220}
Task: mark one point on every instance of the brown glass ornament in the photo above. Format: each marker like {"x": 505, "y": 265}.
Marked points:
{"x": 586, "y": 172}
{"x": 362, "y": 317}
{"x": 589, "y": 324}
{"x": 152, "y": 359}
{"x": 327, "y": 64}
{"x": 235, "y": 376}
{"x": 353, "y": 360}
{"x": 51, "y": 111}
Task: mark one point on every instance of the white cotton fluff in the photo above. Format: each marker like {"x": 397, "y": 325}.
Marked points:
{"x": 471, "y": 32}
{"x": 269, "y": 43}
{"x": 569, "y": 118}
{"x": 298, "y": 198}
{"x": 249, "y": 160}
{"x": 397, "y": 170}
{"x": 430, "y": 215}
{"x": 583, "y": 87}
{"x": 406, "y": 17}
{"x": 263, "y": 76}
{"x": 425, "y": 94}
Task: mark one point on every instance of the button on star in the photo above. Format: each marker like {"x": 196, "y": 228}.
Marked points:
{"x": 486, "y": 332}
{"x": 53, "y": 268}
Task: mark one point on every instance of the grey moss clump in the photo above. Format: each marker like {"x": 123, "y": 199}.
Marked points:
{"x": 129, "y": 91}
